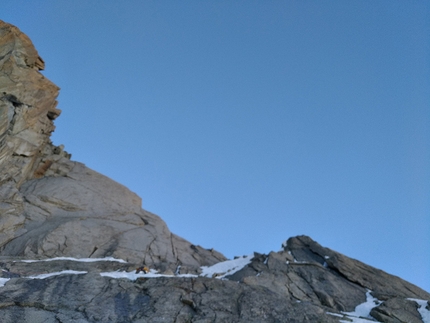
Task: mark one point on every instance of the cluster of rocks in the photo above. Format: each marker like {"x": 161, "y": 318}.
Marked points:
{"x": 51, "y": 206}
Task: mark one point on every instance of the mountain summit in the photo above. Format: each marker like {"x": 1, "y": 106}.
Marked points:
{"x": 76, "y": 246}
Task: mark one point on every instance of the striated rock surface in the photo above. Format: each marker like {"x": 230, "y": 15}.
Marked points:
{"x": 53, "y": 207}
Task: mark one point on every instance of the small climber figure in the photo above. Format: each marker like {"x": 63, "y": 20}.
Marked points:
{"x": 143, "y": 268}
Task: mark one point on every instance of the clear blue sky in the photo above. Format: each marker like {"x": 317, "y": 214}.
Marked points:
{"x": 242, "y": 123}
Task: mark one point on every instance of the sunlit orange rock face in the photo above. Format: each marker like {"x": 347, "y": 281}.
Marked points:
{"x": 27, "y": 107}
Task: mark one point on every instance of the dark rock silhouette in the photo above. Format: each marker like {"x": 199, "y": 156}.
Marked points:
{"x": 102, "y": 258}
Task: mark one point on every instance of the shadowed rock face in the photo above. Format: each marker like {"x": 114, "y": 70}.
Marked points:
{"x": 51, "y": 206}
{"x": 304, "y": 282}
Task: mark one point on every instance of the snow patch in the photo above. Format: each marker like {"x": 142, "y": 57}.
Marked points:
{"x": 219, "y": 270}
{"x": 133, "y": 276}
{"x": 78, "y": 259}
{"x": 225, "y": 268}
{"x": 3, "y": 281}
{"x": 358, "y": 320}
{"x": 43, "y": 276}
{"x": 424, "y": 312}
{"x": 362, "y": 311}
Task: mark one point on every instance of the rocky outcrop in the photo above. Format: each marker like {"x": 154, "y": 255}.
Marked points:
{"x": 27, "y": 109}
{"x": 51, "y": 206}
{"x": 304, "y": 282}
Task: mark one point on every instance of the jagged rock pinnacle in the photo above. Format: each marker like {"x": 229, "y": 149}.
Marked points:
{"x": 27, "y": 109}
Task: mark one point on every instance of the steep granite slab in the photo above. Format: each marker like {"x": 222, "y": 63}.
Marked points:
{"x": 51, "y": 206}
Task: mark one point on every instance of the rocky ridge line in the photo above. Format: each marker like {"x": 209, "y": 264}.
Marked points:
{"x": 304, "y": 282}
